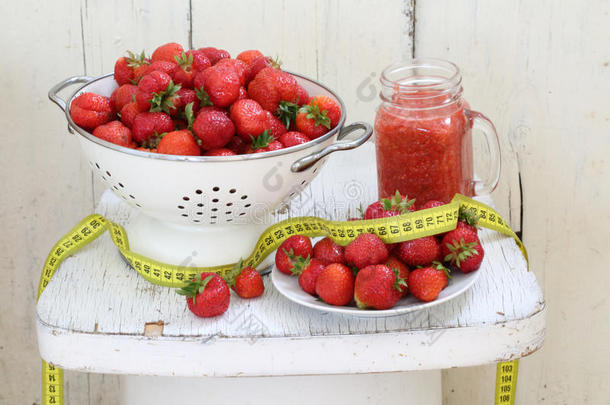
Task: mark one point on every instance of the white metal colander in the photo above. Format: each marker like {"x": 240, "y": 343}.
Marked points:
{"x": 210, "y": 209}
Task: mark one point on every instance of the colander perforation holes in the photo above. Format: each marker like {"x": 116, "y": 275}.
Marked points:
{"x": 185, "y": 198}
{"x": 108, "y": 173}
{"x": 121, "y": 185}
{"x": 97, "y": 165}
{"x": 232, "y": 191}
{"x": 247, "y": 205}
{"x": 200, "y": 205}
{"x": 198, "y": 191}
{"x": 215, "y": 200}
{"x": 216, "y": 188}
{"x": 214, "y": 209}
{"x": 181, "y": 207}
{"x": 229, "y": 204}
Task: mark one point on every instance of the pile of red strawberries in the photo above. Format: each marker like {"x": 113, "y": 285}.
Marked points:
{"x": 376, "y": 275}
{"x": 203, "y": 102}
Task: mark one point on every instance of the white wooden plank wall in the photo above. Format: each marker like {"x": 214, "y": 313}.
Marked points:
{"x": 538, "y": 69}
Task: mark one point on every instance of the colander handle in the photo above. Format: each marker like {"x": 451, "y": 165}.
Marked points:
{"x": 308, "y": 161}
{"x": 61, "y": 103}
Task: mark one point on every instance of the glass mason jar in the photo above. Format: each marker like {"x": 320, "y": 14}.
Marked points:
{"x": 423, "y": 134}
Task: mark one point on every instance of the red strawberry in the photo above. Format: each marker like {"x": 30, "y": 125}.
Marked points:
{"x": 214, "y": 128}
{"x": 207, "y": 295}
{"x": 115, "y": 132}
{"x": 246, "y": 281}
{"x": 312, "y": 122}
{"x": 329, "y": 107}
{"x": 214, "y": 54}
{"x": 150, "y": 150}
{"x": 403, "y": 271}
{"x": 274, "y": 126}
{"x": 248, "y": 56}
{"x": 389, "y": 207}
{"x": 265, "y": 143}
{"x": 308, "y": 271}
{"x": 188, "y": 64}
{"x": 184, "y": 97}
{"x": 155, "y": 83}
{"x": 149, "y": 124}
{"x": 293, "y": 138}
{"x": 365, "y": 250}
{"x": 303, "y": 96}
{"x": 90, "y": 110}
{"x": 378, "y": 287}
{"x": 220, "y": 152}
{"x": 125, "y": 66}
{"x": 426, "y": 283}
{"x": 419, "y": 252}
{"x": 158, "y": 66}
{"x": 167, "y": 52}
{"x": 237, "y": 66}
{"x": 335, "y": 284}
{"x": 221, "y": 84}
{"x": 256, "y": 66}
{"x": 179, "y": 142}
{"x": 238, "y": 146}
{"x": 328, "y": 251}
{"x": 462, "y": 248}
{"x": 249, "y": 118}
{"x": 122, "y": 95}
{"x": 128, "y": 114}
{"x": 296, "y": 245}
{"x": 271, "y": 86}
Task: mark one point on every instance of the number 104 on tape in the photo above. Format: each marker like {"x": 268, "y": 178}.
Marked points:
{"x": 506, "y": 382}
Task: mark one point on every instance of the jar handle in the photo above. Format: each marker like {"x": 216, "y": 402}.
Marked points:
{"x": 479, "y": 121}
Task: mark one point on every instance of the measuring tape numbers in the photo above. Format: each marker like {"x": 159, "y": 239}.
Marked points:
{"x": 394, "y": 229}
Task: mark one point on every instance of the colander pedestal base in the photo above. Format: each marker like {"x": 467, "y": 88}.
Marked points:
{"x": 195, "y": 246}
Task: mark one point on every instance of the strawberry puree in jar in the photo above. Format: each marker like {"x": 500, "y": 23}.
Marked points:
{"x": 423, "y": 134}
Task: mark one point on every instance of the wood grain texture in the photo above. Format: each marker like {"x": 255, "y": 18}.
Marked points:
{"x": 540, "y": 70}
{"x": 96, "y": 294}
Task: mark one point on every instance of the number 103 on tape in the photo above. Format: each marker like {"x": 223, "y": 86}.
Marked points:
{"x": 506, "y": 382}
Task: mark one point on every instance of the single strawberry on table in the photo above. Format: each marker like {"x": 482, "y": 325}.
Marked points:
{"x": 335, "y": 284}
{"x": 378, "y": 286}
{"x": 90, "y": 110}
{"x": 245, "y": 281}
{"x": 426, "y": 283}
{"x": 207, "y": 295}
{"x": 308, "y": 271}
{"x": 365, "y": 250}
{"x": 328, "y": 251}
{"x": 419, "y": 252}
{"x": 296, "y": 245}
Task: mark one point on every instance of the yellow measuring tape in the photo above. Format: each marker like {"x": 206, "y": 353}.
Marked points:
{"x": 395, "y": 229}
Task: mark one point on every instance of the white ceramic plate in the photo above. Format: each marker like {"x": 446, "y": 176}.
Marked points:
{"x": 288, "y": 286}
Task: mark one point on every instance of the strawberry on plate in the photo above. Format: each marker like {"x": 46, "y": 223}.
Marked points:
{"x": 462, "y": 248}
{"x": 115, "y": 132}
{"x": 308, "y": 271}
{"x": 296, "y": 245}
{"x": 328, "y": 251}
{"x": 90, "y": 110}
{"x": 419, "y": 252}
{"x": 335, "y": 284}
{"x": 207, "y": 295}
{"x": 403, "y": 271}
{"x": 426, "y": 283}
{"x": 365, "y": 250}
{"x": 378, "y": 287}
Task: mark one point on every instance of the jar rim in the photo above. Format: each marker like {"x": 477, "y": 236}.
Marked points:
{"x": 451, "y": 80}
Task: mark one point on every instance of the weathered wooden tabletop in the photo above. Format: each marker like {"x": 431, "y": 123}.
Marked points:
{"x": 98, "y": 315}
